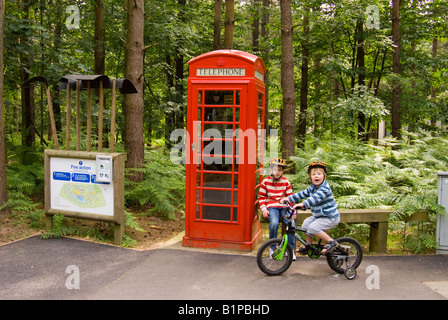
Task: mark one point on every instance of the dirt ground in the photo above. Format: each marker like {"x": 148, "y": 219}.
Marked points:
{"x": 155, "y": 232}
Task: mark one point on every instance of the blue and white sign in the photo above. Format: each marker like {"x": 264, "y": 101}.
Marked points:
{"x": 74, "y": 187}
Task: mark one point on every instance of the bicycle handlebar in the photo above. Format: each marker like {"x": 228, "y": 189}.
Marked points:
{"x": 292, "y": 210}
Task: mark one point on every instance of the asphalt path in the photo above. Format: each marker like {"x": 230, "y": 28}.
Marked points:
{"x": 70, "y": 269}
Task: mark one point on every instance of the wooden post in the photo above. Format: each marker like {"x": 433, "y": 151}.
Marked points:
{"x": 68, "y": 118}
{"x": 378, "y": 237}
{"x": 100, "y": 119}
{"x": 78, "y": 116}
{"x": 89, "y": 117}
{"x": 50, "y": 112}
{"x": 112, "y": 115}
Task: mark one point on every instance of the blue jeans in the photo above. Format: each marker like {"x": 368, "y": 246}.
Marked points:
{"x": 274, "y": 221}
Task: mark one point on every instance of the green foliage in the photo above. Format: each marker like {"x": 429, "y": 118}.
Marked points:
{"x": 101, "y": 231}
{"x": 58, "y": 228}
{"x": 163, "y": 186}
{"x": 364, "y": 175}
{"x": 25, "y": 171}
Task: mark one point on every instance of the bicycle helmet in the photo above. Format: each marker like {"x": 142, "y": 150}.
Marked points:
{"x": 317, "y": 164}
{"x": 277, "y": 162}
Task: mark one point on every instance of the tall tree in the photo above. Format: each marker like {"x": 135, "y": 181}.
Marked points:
{"x": 396, "y": 87}
{"x": 100, "y": 54}
{"x": 217, "y": 25}
{"x": 228, "y": 24}
{"x": 133, "y": 109}
{"x": 304, "y": 82}
{"x": 3, "y": 190}
{"x": 288, "y": 124}
{"x": 360, "y": 62}
{"x": 179, "y": 83}
{"x": 256, "y": 26}
{"x": 28, "y": 112}
{"x": 264, "y": 35}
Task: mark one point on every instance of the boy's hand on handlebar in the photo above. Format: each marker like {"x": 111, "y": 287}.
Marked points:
{"x": 299, "y": 206}
{"x": 284, "y": 200}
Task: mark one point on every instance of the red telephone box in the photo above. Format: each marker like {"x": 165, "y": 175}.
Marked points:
{"x": 225, "y": 125}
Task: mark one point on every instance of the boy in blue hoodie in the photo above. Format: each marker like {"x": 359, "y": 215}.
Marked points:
{"x": 319, "y": 197}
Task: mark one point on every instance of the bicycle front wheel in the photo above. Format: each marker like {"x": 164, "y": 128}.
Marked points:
{"x": 268, "y": 259}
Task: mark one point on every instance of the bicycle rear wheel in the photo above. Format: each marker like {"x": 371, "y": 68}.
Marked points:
{"x": 267, "y": 257}
{"x": 347, "y": 255}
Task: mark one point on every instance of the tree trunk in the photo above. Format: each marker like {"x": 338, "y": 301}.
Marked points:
{"x": 256, "y": 26}
{"x": 134, "y": 102}
{"x": 57, "y": 45}
{"x": 288, "y": 124}
{"x": 217, "y": 25}
{"x": 3, "y": 190}
{"x": 179, "y": 84}
{"x": 99, "y": 59}
{"x": 230, "y": 20}
{"x": 28, "y": 113}
{"x": 304, "y": 84}
{"x": 170, "y": 115}
{"x": 264, "y": 35}
{"x": 396, "y": 87}
{"x": 99, "y": 55}
{"x": 360, "y": 57}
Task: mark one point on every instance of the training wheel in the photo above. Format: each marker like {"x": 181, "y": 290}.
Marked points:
{"x": 350, "y": 273}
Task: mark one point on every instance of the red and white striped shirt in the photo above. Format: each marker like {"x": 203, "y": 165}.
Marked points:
{"x": 272, "y": 191}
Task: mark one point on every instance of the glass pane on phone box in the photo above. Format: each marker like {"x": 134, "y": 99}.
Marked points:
{"x": 199, "y": 97}
{"x": 223, "y": 166}
{"x": 218, "y": 97}
{"x": 218, "y": 114}
{"x": 217, "y": 196}
{"x": 218, "y": 147}
{"x": 216, "y": 213}
{"x": 235, "y": 214}
{"x": 212, "y": 166}
{"x": 218, "y": 130}
{"x": 216, "y": 180}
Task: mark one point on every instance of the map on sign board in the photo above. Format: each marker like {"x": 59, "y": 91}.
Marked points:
{"x": 74, "y": 187}
{"x": 83, "y": 195}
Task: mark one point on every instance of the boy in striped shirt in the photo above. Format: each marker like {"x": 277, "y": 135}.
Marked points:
{"x": 272, "y": 189}
{"x": 319, "y": 198}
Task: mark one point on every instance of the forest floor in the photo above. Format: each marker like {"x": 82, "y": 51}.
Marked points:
{"x": 155, "y": 231}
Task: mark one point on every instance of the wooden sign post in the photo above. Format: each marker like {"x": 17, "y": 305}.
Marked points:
{"x": 87, "y": 184}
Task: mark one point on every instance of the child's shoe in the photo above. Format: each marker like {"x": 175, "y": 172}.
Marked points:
{"x": 304, "y": 250}
{"x": 329, "y": 246}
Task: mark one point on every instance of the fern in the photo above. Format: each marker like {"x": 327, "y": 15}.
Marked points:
{"x": 163, "y": 187}
{"x": 130, "y": 221}
{"x": 397, "y": 175}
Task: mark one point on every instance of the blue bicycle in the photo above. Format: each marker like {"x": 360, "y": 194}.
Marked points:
{"x": 275, "y": 255}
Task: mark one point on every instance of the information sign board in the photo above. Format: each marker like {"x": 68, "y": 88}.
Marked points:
{"x": 72, "y": 187}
